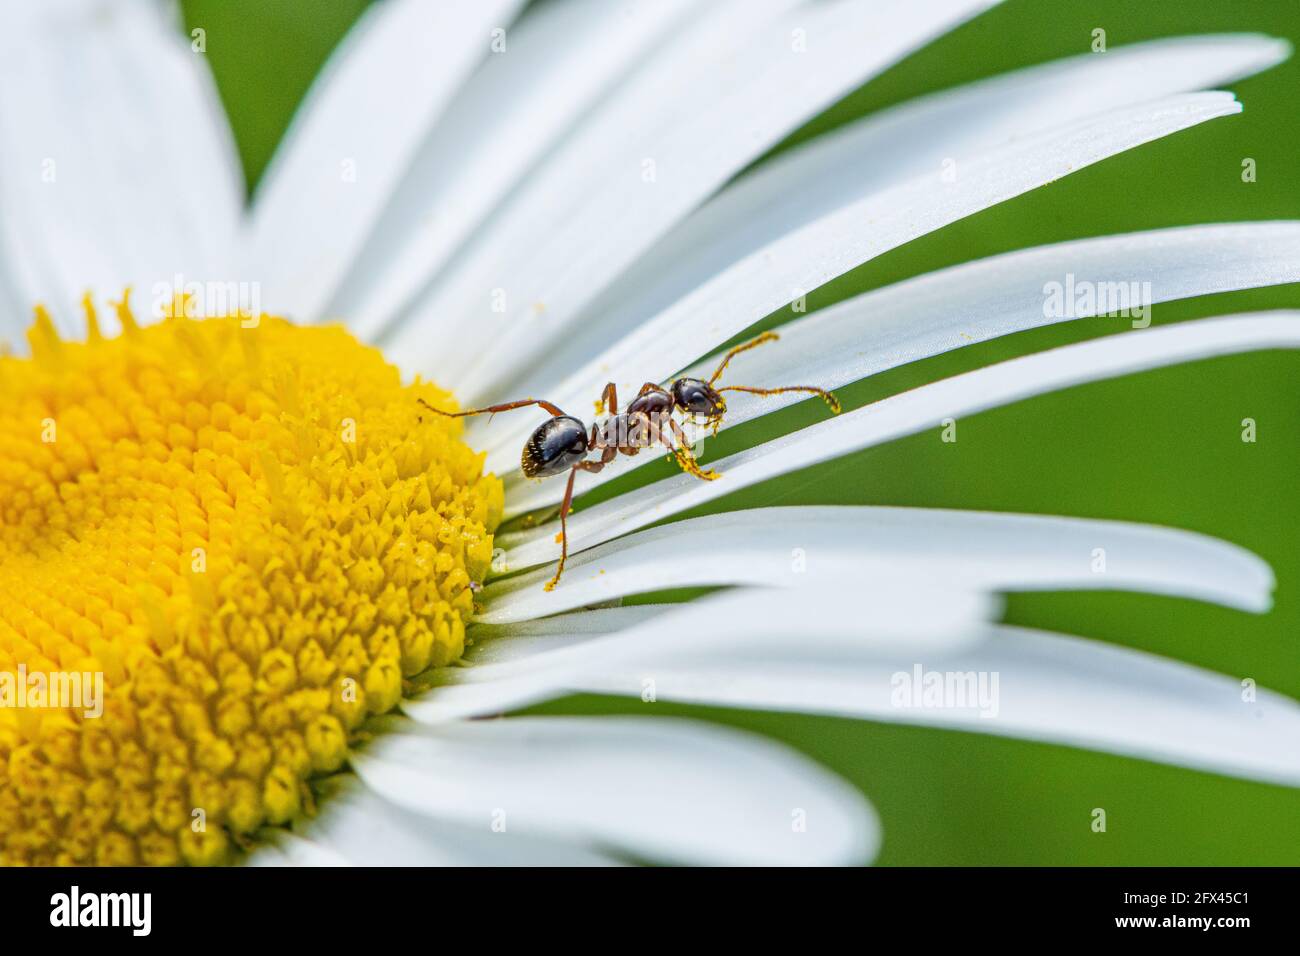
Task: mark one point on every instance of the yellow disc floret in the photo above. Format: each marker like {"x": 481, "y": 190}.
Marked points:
{"x": 247, "y": 539}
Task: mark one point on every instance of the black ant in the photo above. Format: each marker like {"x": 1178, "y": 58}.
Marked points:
{"x": 562, "y": 442}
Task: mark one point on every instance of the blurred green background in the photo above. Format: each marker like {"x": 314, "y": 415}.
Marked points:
{"x": 1162, "y": 447}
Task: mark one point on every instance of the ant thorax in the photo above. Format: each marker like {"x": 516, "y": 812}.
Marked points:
{"x": 633, "y": 430}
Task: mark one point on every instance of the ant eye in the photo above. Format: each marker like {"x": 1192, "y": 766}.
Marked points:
{"x": 705, "y": 400}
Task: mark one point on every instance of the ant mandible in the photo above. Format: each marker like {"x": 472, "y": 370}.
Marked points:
{"x": 562, "y": 442}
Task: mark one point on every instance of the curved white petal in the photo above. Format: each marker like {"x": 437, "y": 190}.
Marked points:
{"x": 1050, "y": 688}
{"x": 982, "y": 300}
{"x": 360, "y": 828}
{"x": 353, "y": 138}
{"x": 809, "y": 256}
{"x": 715, "y": 100}
{"x": 870, "y": 618}
{"x": 937, "y": 133}
{"x": 556, "y": 61}
{"x": 791, "y": 547}
{"x": 116, "y": 164}
{"x": 497, "y": 643}
{"x": 666, "y": 790}
{"x": 919, "y": 409}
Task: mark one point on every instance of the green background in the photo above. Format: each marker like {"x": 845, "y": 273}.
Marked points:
{"x": 1162, "y": 447}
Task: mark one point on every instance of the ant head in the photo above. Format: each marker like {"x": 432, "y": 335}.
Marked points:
{"x": 557, "y": 445}
{"x": 697, "y": 397}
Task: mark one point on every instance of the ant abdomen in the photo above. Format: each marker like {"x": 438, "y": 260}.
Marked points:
{"x": 556, "y": 446}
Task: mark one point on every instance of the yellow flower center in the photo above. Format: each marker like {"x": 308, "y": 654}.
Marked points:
{"x": 249, "y": 539}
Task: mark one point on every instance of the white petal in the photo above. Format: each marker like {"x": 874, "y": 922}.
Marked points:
{"x": 492, "y": 643}
{"x": 363, "y": 829}
{"x": 665, "y": 790}
{"x": 940, "y": 548}
{"x": 934, "y": 133}
{"x": 116, "y": 164}
{"x": 978, "y": 301}
{"x": 922, "y": 408}
{"x": 481, "y": 689}
{"x": 763, "y": 280}
{"x": 558, "y": 59}
{"x": 742, "y": 624}
{"x": 727, "y": 90}
{"x": 353, "y": 138}
{"x": 1051, "y": 688}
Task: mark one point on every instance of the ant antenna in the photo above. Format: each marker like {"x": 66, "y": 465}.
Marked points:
{"x": 828, "y": 397}
{"x": 751, "y": 344}
{"x": 493, "y": 409}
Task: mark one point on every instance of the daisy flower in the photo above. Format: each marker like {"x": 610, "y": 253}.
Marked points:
{"x": 221, "y": 492}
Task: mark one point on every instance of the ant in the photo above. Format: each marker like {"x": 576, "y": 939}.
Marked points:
{"x": 562, "y": 442}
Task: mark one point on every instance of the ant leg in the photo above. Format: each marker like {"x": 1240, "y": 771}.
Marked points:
{"x": 593, "y": 467}
{"x": 636, "y": 433}
{"x": 564, "y": 530}
{"x": 828, "y": 397}
{"x": 607, "y": 454}
{"x": 493, "y": 409}
{"x": 608, "y": 400}
{"x": 751, "y": 344}
{"x": 682, "y": 452}
{"x": 595, "y": 442}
